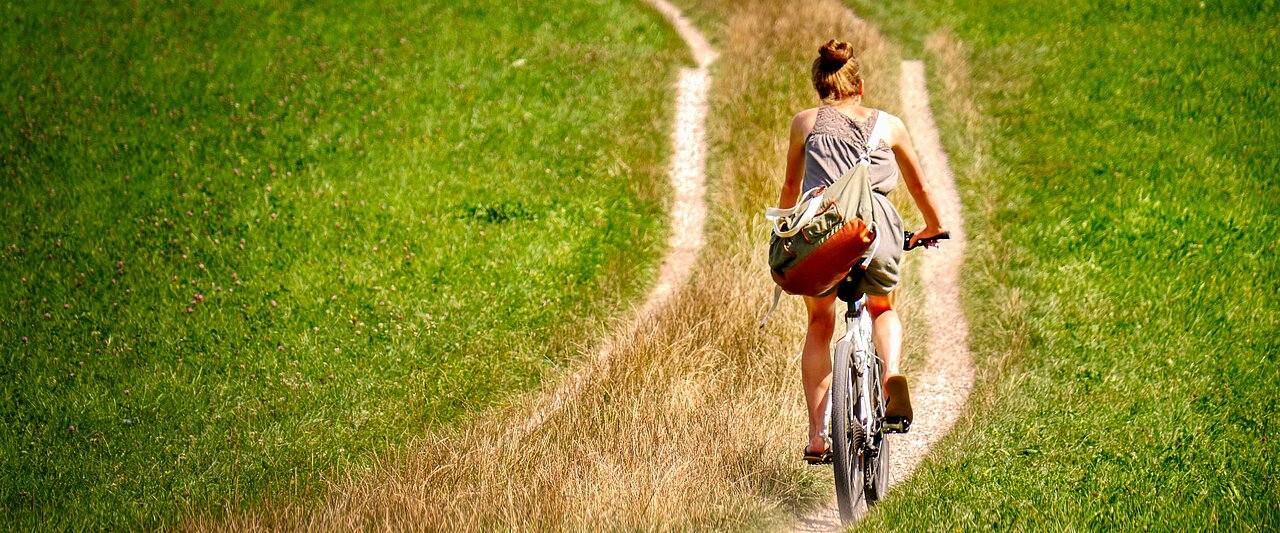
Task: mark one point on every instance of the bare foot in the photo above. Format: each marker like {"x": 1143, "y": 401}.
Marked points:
{"x": 816, "y": 445}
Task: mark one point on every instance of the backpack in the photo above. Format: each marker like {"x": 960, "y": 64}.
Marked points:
{"x": 826, "y": 234}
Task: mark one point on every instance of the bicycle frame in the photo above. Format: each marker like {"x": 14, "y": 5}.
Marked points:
{"x": 858, "y": 333}
{"x": 856, "y": 407}
{"x": 857, "y": 422}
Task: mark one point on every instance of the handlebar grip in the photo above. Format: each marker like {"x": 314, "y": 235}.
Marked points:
{"x": 927, "y": 243}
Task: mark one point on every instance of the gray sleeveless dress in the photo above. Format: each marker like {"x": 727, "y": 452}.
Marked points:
{"x": 831, "y": 149}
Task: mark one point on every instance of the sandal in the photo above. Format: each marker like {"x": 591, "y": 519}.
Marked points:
{"x": 819, "y": 458}
{"x": 897, "y": 412}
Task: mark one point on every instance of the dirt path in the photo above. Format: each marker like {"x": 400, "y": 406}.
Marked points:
{"x": 688, "y": 211}
{"x": 688, "y": 161}
{"x": 941, "y": 390}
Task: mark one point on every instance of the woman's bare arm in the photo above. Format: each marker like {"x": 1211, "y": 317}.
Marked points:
{"x": 905, "y": 153}
{"x": 801, "y": 125}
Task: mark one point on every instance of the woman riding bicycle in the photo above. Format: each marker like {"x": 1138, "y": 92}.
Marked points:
{"x": 826, "y": 142}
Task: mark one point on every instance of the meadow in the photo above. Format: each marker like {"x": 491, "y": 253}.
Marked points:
{"x": 252, "y": 250}
{"x": 687, "y": 418}
{"x": 250, "y": 246}
{"x": 1119, "y": 162}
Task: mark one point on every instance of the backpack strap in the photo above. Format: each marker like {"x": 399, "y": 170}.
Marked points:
{"x": 810, "y": 201}
{"x": 777, "y": 295}
{"x": 879, "y": 131}
{"x": 875, "y": 245}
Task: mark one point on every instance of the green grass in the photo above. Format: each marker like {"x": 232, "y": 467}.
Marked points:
{"x": 1123, "y": 286}
{"x": 247, "y": 244}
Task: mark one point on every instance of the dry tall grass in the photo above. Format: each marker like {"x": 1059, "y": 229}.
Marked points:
{"x": 688, "y": 418}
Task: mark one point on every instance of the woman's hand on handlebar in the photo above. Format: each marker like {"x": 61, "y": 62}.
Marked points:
{"x": 927, "y": 237}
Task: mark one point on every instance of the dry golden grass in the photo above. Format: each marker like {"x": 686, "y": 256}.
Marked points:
{"x": 688, "y": 418}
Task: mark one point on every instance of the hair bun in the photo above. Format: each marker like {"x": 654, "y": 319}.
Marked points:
{"x": 835, "y": 52}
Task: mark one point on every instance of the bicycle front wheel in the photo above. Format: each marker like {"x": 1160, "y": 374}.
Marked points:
{"x": 847, "y": 435}
{"x": 877, "y": 467}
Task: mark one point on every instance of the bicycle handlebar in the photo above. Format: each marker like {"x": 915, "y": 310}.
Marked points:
{"x": 931, "y": 242}
{"x": 847, "y": 289}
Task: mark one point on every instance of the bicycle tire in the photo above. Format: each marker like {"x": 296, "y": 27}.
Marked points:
{"x": 877, "y": 469}
{"x": 847, "y": 436}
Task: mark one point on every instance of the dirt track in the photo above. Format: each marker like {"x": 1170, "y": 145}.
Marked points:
{"x": 689, "y": 161}
{"x": 688, "y": 213}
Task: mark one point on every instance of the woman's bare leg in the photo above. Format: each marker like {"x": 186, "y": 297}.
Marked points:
{"x": 886, "y": 332}
{"x": 815, "y": 365}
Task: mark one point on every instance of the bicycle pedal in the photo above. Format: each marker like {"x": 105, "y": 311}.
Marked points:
{"x": 897, "y": 424}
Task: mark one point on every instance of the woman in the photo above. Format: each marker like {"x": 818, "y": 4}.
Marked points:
{"x": 826, "y": 142}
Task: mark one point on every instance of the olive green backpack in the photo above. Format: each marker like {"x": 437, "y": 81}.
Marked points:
{"x": 827, "y": 233}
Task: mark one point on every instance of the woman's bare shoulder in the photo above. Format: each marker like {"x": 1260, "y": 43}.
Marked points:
{"x": 897, "y": 129}
{"x": 804, "y": 120}
{"x": 890, "y": 119}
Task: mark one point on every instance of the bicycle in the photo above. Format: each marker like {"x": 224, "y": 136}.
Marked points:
{"x": 858, "y": 428}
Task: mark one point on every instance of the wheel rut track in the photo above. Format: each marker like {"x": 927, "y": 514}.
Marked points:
{"x": 688, "y": 212}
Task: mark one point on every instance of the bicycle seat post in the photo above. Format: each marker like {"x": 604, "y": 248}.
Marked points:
{"x": 849, "y": 293}
{"x": 855, "y": 308}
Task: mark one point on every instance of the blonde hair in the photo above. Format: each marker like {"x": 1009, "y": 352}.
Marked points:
{"x": 836, "y": 72}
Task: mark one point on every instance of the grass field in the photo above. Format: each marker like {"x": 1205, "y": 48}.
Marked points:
{"x": 249, "y": 244}
{"x": 253, "y": 248}
{"x": 693, "y": 417}
{"x": 1120, "y": 162}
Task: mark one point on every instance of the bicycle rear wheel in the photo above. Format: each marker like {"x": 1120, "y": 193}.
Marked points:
{"x": 847, "y": 435}
{"x": 878, "y": 466}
